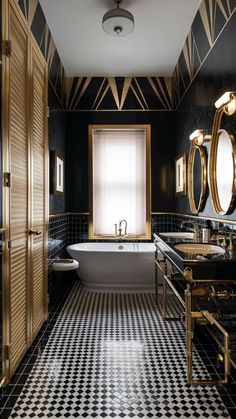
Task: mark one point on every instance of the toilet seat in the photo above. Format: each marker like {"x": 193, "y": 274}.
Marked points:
{"x": 65, "y": 265}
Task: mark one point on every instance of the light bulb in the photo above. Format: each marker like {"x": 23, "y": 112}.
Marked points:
{"x": 197, "y": 136}
{"x": 118, "y": 30}
{"x": 228, "y": 100}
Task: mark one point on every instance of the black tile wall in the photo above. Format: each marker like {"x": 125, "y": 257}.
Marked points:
{"x": 56, "y": 136}
{"x": 73, "y": 228}
{"x": 78, "y": 228}
{"x": 172, "y": 222}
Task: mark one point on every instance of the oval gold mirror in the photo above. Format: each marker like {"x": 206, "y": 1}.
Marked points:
{"x": 197, "y": 177}
{"x": 222, "y": 166}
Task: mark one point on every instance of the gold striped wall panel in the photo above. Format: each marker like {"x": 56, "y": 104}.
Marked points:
{"x": 38, "y": 149}
{"x": 209, "y": 22}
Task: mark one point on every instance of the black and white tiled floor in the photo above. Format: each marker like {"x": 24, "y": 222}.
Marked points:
{"x": 112, "y": 356}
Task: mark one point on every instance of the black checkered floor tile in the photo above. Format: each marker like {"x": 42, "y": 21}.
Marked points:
{"x": 112, "y": 356}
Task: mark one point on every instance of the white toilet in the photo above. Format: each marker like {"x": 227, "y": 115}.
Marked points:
{"x": 65, "y": 265}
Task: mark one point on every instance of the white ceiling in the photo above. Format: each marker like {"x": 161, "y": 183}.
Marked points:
{"x": 152, "y": 49}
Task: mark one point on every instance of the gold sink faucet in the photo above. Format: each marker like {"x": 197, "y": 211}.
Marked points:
{"x": 195, "y": 228}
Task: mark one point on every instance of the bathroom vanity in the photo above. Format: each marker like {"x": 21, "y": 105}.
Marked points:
{"x": 202, "y": 277}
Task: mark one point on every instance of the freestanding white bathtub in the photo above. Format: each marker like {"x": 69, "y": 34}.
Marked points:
{"x": 115, "y": 266}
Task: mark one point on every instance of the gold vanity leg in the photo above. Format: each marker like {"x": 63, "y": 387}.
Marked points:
{"x": 164, "y": 303}
{"x": 190, "y": 320}
{"x": 156, "y": 279}
{"x": 226, "y": 347}
{"x": 189, "y": 334}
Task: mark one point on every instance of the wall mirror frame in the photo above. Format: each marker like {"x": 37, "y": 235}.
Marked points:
{"x": 222, "y": 172}
{"x": 195, "y": 150}
{"x": 222, "y": 161}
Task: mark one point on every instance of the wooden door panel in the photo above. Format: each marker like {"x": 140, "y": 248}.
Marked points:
{"x": 25, "y": 79}
{"x": 18, "y": 131}
{"x": 38, "y": 283}
{"x": 18, "y": 222}
{"x": 19, "y": 299}
{"x": 38, "y": 146}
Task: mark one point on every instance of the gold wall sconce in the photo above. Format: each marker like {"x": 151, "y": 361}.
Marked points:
{"x": 227, "y": 102}
{"x": 199, "y": 137}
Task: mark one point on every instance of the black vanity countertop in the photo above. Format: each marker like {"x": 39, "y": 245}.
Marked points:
{"x": 214, "y": 267}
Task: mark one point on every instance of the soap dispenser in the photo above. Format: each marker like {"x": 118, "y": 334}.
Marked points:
{"x": 206, "y": 232}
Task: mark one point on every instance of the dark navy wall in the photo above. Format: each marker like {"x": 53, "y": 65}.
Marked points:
{"x": 196, "y": 111}
{"x": 56, "y": 141}
{"x": 162, "y": 143}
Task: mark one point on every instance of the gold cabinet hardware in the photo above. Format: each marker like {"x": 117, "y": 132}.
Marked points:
{"x": 7, "y": 48}
{"x": 7, "y": 353}
{"x": 221, "y": 240}
{"x": 34, "y": 232}
{"x": 219, "y": 359}
{"x": 231, "y": 241}
{"x": 7, "y": 179}
{"x": 183, "y": 317}
{"x": 3, "y": 382}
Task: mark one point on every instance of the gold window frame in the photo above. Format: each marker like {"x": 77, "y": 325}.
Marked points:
{"x": 147, "y": 128}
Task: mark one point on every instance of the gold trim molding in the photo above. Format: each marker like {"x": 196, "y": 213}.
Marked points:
{"x": 196, "y": 207}
{"x": 147, "y": 128}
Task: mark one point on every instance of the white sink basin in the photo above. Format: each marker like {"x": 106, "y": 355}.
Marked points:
{"x": 200, "y": 248}
{"x": 182, "y": 235}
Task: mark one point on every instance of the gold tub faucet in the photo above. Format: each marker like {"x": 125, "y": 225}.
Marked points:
{"x": 120, "y": 228}
{"x": 118, "y": 231}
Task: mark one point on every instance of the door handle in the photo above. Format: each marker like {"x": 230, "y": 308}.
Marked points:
{"x": 34, "y": 232}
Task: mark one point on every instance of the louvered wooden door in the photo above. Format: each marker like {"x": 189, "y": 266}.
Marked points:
{"x": 19, "y": 196}
{"x": 38, "y": 191}
{"x": 26, "y": 78}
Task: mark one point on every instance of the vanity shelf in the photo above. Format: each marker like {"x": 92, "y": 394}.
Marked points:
{"x": 198, "y": 282}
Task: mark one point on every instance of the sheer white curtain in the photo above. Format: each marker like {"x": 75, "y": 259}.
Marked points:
{"x": 119, "y": 180}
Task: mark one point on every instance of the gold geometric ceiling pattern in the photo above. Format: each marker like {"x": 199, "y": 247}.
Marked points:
{"x": 131, "y": 93}
{"x": 119, "y": 93}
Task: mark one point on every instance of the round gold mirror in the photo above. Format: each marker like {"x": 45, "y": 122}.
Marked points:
{"x": 197, "y": 177}
{"x": 222, "y": 167}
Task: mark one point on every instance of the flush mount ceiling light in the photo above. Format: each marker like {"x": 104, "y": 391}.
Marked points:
{"x": 118, "y": 22}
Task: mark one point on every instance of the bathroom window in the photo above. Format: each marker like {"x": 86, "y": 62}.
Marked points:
{"x": 120, "y": 181}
